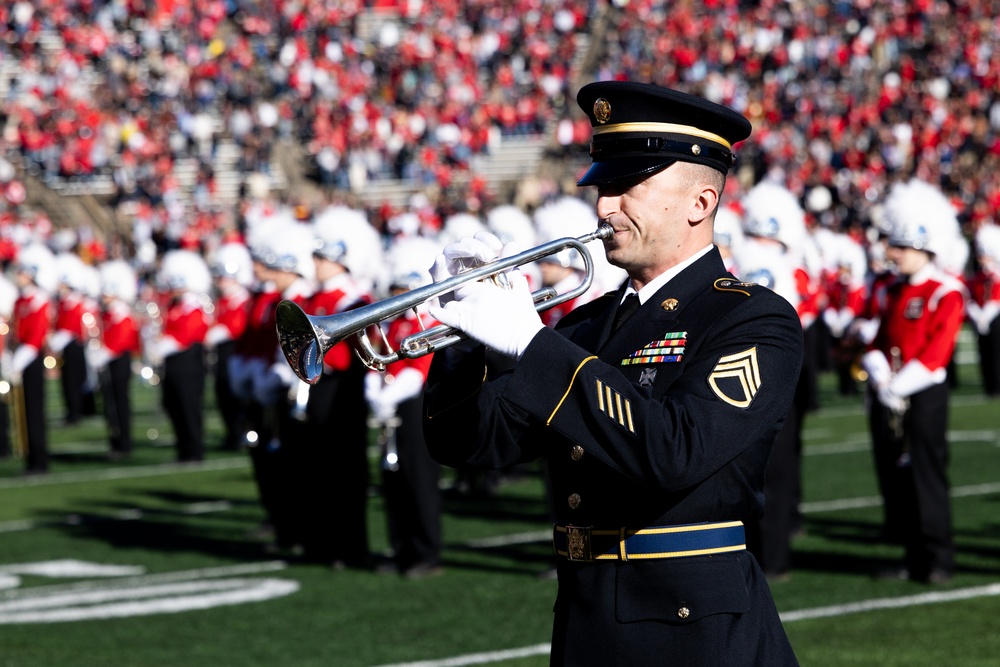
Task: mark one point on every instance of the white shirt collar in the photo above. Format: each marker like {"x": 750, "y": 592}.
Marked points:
{"x": 650, "y": 288}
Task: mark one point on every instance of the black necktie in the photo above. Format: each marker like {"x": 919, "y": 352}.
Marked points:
{"x": 625, "y": 310}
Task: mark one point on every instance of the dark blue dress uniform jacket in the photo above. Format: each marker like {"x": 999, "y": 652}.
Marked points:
{"x": 683, "y": 440}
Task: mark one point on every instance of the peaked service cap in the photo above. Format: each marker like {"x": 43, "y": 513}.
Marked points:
{"x": 641, "y": 128}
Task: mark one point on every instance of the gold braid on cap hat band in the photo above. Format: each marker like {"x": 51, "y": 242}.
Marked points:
{"x": 674, "y": 128}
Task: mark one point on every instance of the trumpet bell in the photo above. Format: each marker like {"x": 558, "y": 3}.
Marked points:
{"x": 300, "y": 341}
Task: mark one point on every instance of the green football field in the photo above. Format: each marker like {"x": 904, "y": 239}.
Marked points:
{"x": 149, "y": 563}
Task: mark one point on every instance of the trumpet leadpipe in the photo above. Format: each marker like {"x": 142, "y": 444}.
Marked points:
{"x": 305, "y": 339}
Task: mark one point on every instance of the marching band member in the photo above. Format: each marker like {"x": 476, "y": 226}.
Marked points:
{"x": 8, "y": 296}
{"x": 846, "y": 293}
{"x": 286, "y": 255}
{"x": 410, "y": 476}
{"x": 184, "y": 276}
{"x": 112, "y": 356}
{"x": 252, "y": 353}
{"x": 347, "y": 250}
{"x": 907, "y": 371}
{"x": 232, "y": 270}
{"x": 984, "y": 305}
{"x": 68, "y": 339}
{"x": 775, "y": 228}
{"x": 36, "y": 277}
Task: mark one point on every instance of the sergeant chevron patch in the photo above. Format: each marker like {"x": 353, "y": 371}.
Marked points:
{"x": 669, "y": 349}
{"x": 736, "y": 378}
{"x": 611, "y": 403}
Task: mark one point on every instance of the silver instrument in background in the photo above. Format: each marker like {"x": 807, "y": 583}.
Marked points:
{"x": 305, "y": 339}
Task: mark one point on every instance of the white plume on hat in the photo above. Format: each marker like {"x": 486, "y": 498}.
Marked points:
{"x": 232, "y": 260}
{"x": 728, "y": 228}
{"x": 289, "y": 247}
{"x": 409, "y": 261}
{"x": 459, "y": 226}
{"x": 771, "y": 211}
{"x": 70, "y": 269}
{"x": 91, "y": 281}
{"x": 184, "y": 270}
{"x": 118, "y": 280}
{"x": 847, "y": 252}
{"x": 988, "y": 245}
{"x": 920, "y": 216}
{"x": 38, "y": 261}
{"x": 345, "y": 235}
{"x": 8, "y": 296}
{"x": 572, "y": 217}
{"x": 768, "y": 266}
{"x": 511, "y": 225}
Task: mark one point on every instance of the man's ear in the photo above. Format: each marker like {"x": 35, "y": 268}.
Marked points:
{"x": 703, "y": 204}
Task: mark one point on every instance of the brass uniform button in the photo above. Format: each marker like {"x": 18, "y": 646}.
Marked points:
{"x": 669, "y": 304}
{"x": 574, "y": 500}
{"x": 683, "y": 612}
{"x": 576, "y": 453}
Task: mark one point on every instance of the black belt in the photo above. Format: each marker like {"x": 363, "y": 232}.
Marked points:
{"x": 586, "y": 543}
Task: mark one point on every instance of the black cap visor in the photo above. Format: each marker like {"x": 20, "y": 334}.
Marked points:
{"x": 623, "y": 169}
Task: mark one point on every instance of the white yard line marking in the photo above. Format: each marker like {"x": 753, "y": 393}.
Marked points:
{"x": 892, "y": 603}
{"x": 874, "y": 604}
{"x": 130, "y": 472}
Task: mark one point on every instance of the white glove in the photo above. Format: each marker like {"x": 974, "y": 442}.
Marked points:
{"x": 97, "y": 356}
{"x": 467, "y": 253}
{"x": 23, "y": 356}
{"x": 59, "y": 340}
{"x": 986, "y": 317}
{"x": 864, "y": 330}
{"x": 877, "y": 367}
{"x": 502, "y": 319}
{"x": 914, "y": 377}
{"x": 890, "y": 399}
{"x": 217, "y": 334}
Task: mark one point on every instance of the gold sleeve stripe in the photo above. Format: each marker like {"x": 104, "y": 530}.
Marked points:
{"x": 628, "y": 416}
{"x": 571, "y": 381}
{"x": 621, "y": 413}
{"x": 611, "y": 405}
{"x": 600, "y": 396}
{"x": 675, "y": 128}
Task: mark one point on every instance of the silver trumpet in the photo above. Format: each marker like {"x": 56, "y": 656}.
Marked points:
{"x": 305, "y": 339}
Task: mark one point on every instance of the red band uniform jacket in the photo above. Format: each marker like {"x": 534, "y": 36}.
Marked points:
{"x": 668, "y": 421}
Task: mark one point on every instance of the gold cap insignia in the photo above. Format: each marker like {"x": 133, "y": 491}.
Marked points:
{"x": 736, "y": 378}
{"x": 602, "y": 110}
{"x": 696, "y": 149}
{"x": 669, "y": 304}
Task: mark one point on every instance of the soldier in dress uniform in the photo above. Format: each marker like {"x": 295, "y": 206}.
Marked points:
{"x": 36, "y": 277}
{"x": 184, "y": 277}
{"x": 410, "y": 476}
{"x": 345, "y": 254}
{"x": 232, "y": 270}
{"x": 907, "y": 371}
{"x": 657, "y": 433}
{"x": 984, "y": 305}
{"x": 113, "y": 353}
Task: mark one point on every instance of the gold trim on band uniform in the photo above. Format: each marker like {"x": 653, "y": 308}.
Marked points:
{"x": 662, "y": 127}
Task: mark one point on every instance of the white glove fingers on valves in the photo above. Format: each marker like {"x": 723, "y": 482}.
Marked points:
{"x": 502, "y": 319}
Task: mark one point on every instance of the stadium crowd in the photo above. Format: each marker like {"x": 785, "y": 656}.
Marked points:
{"x": 847, "y": 100}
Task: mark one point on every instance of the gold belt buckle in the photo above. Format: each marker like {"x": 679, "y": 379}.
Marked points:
{"x": 578, "y": 543}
